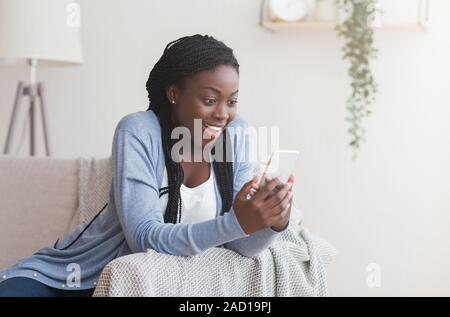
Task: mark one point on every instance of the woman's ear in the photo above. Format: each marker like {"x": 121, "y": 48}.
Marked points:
{"x": 172, "y": 94}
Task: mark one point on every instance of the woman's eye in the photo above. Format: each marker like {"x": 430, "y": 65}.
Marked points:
{"x": 209, "y": 101}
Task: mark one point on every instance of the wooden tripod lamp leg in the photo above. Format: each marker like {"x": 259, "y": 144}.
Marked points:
{"x": 32, "y": 119}
{"x": 19, "y": 93}
{"x": 44, "y": 118}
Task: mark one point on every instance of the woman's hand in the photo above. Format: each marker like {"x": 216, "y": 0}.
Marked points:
{"x": 285, "y": 215}
{"x": 266, "y": 208}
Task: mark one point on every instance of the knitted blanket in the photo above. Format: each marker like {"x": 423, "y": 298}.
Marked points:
{"x": 94, "y": 184}
{"x": 294, "y": 265}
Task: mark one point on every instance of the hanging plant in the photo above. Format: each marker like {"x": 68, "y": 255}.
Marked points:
{"x": 358, "y": 49}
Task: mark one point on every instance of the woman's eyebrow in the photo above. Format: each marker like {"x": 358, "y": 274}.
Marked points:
{"x": 217, "y": 90}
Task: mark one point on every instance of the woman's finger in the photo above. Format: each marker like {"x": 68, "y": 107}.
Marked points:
{"x": 279, "y": 197}
{"x": 246, "y": 189}
{"x": 267, "y": 189}
{"x": 278, "y": 208}
{"x": 282, "y": 217}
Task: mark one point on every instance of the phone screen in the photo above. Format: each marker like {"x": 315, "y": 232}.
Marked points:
{"x": 281, "y": 164}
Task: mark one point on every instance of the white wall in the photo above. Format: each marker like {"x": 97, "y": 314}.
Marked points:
{"x": 390, "y": 207}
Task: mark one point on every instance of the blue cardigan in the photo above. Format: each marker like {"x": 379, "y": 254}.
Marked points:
{"x": 133, "y": 220}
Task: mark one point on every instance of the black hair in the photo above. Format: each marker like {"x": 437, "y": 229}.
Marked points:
{"x": 183, "y": 58}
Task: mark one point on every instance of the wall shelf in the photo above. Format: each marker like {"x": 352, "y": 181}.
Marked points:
{"x": 422, "y": 22}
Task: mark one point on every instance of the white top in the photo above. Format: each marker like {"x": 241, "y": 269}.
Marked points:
{"x": 197, "y": 203}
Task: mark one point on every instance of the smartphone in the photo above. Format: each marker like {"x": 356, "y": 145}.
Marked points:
{"x": 281, "y": 164}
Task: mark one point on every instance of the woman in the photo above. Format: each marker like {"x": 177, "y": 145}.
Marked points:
{"x": 169, "y": 202}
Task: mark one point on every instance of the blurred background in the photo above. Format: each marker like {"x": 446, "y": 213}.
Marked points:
{"x": 389, "y": 207}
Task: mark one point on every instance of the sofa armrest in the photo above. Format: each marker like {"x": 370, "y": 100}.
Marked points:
{"x": 215, "y": 272}
{"x": 294, "y": 265}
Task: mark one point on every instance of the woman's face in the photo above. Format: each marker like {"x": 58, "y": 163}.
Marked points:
{"x": 209, "y": 95}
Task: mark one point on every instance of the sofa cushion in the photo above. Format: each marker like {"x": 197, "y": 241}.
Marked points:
{"x": 38, "y": 204}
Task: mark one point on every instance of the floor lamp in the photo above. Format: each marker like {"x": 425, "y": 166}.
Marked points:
{"x": 43, "y": 33}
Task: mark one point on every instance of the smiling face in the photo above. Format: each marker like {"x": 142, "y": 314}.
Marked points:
{"x": 209, "y": 95}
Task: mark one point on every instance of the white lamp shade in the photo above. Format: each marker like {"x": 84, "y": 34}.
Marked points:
{"x": 39, "y": 29}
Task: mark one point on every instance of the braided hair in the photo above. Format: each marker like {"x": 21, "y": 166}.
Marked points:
{"x": 182, "y": 58}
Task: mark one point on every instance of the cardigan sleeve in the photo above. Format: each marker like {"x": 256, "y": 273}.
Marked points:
{"x": 138, "y": 208}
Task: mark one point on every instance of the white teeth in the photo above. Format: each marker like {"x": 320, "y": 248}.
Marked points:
{"x": 213, "y": 127}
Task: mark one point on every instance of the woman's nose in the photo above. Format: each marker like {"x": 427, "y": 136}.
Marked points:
{"x": 221, "y": 114}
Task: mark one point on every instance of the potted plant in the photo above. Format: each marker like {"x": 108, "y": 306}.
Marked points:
{"x": 326, "y": 11}
{"x": 356, "y": 28}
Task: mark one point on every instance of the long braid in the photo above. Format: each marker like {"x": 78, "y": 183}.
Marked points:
{"x": 175, "y": 173}
{"x": 224, "y": 172}
{"x": 182, "y": 58}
